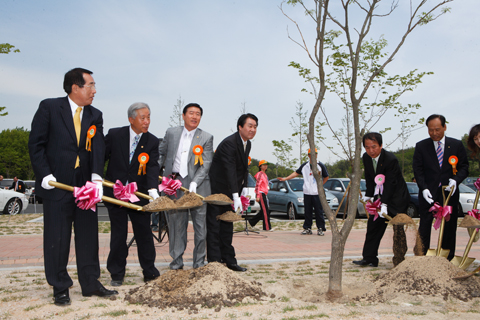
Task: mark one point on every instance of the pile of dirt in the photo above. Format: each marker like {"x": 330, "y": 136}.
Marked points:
{"x": 188, "y": 200}
{"x": 211, "y": 286}
{"x": 218, "y": 197}
{"x": 160, "y": 204}
{"x": 230, "y": 216}
{"x": 424, "y": 275}
{"x": 469, "y": 222}
{"x": 402, "y": 219}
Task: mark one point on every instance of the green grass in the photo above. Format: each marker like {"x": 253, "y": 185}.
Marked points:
{"x": 117, "y": 313}
{"x": 284, "y": 299}
{"x": 288, "y": 309}
{"x": 311, "y": 307}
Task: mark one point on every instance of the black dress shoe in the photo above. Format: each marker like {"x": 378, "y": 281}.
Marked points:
{"x": 101, "y": 292}
{"x": 62, "y": 299}
{"x": 147, "y": 279}
{"x": 236, "y": 267}
{"x": 116, "y": 283}
{"x": 364, "y": 262}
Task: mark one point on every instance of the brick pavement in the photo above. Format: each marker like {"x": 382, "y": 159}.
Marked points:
{"x": 19, "y": 251}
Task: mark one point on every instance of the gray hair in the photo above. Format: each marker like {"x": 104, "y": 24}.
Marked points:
{"x": 132, "y": 110}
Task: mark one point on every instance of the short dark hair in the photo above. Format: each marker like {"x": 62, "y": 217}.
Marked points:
{"x": 74, "y": 76}
{"x": 436, "y": 116}
{"x": 243, "y": 118}
{"x": 374, "y": 136}
{"x": 472, "y": 146}
{"x": 196, "y": 105}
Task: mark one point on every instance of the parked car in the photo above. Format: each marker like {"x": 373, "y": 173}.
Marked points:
{"x": 412, "y": 209}
{"x": 467, "y": 197}
{"x": 12, "y": 202}
{"x": 254, "y": 205}
{"x": 6, "y": 183}
{"x": 287, "y": 196}
{"x": 338, "y": 186}
{"x": 30, "y": 191}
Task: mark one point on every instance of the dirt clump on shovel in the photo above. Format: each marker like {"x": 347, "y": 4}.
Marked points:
{"x": 160, "y": 204}
{"x": 189, "y": 200}
{"x": 219, "y": 197}
{"x": 425, "y": 275}
{"x": 211, "y": 286}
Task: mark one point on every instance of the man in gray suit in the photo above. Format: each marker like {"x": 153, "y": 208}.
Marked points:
{"x": 186, "y": 152}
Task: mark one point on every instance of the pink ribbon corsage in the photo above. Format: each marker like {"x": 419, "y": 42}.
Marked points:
{"x": 86, "y": 197}
{"x": 379, "y": 181}
{"x": 440, "y": 212}
{"x": 169, "y": 186}
{"x": 125, "y": 193}
{"x": 373, "y": 207}
{"x": 245, "y": 203}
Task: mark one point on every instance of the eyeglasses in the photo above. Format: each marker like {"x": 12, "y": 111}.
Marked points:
{"x": 90, "y": 86}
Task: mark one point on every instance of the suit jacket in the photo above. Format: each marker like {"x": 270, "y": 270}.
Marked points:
{"x": 229, "y": 171}
{"x": 117, "y": 150}
{"x": 21, "y": 186}
{"x": 196, "y": 173}
{"x": 53, "y": 148}
{"x": 395, "y": 192}
{"x": 428, "y": 173}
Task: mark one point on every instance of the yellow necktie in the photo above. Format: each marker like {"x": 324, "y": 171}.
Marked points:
{"x": 78, "y": 126}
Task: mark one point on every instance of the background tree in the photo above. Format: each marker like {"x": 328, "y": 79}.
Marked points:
{"x": 283, "y": 153}
{"x": 299, "y": 124}
{"x": 14, "y": 158}
{"x": 176, "y": 119}
{"x": 355, "y": 78}
{"x": 6, "y": 48}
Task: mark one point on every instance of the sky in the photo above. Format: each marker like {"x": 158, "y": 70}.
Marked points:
{"x": 225, "y": 55}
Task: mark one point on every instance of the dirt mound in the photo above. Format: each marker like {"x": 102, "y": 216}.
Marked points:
{"x": 188, "y": 200}
{"x": 425, "y": 275}
{"x": 211, "y": 286}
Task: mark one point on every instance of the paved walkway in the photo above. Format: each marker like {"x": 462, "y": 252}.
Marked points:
{"x": 21, "y": 251}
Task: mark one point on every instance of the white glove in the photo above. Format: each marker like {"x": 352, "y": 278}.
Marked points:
{"x": 451, "y": 183}
{"x": 366, "y": 199}
{"x": 193, "y": 187}
{"x": 237, "y": 203}
{"x": 383, "y": 211}
{"x": 99, "y": 187}
{"x": 45, "y": 181}
{"x": 427, "y": 196}
{"x": 153, "y": 193}
{"x": 244, "y": 192}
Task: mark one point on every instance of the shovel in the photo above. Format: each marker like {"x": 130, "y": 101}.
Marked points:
{"x": 104, "y": 198}
{"x": 468, "y": 275}
{"x": 217, "y": 202}
{"x": 110, "y": 184}
{"x": 465, "y": 261}
{"x": 440, "y": 252}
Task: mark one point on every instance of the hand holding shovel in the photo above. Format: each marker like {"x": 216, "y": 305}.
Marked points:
{"x": 440, "y": 252}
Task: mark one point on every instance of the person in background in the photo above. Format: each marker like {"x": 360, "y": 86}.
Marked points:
{"x": 18, "y": 185}
{"x": 310, "y": 194}
{"x": 261, "y": 191}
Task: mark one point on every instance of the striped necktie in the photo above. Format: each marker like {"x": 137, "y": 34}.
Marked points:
{"x": 374, "y": 165}
{"x": 133, "y": 147}
{"x": 440, "y": 153}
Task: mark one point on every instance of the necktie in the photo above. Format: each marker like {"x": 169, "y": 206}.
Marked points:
{"x": 184, "y": 159}
{"x": 245, "y": 146}
{"x": 133, "y": 147}
{"x": 374, "y": 165}
{"x": 440, "y": 154}
{"x": 78, "y": 126}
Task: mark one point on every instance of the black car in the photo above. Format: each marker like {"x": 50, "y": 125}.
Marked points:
{"x": 412, "y": 210}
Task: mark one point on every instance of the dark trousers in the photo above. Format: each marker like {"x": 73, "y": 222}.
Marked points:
{"x": 117, "y": 258}
{"x": 219, "y": 236}
{"x": 375, "y": 231}
{"x": 313, "y": 202}
{"x": 262, "y": 214}
{"x": 450, "y": 231}
{"x": 58, "y": 218}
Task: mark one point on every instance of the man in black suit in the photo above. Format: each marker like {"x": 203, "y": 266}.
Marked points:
{"x": 394, "y": 197}
{"x": 229, "y": 175}
{"x": 123, "y": 147}
{"x": 18, "y": 185}
{"x": 433, "y": 170}
{"x": 58, "y": 152}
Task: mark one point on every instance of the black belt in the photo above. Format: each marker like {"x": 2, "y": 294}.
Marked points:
{"x": 175, "y": 175}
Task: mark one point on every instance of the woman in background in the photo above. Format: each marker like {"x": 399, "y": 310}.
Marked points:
{"x": 261, "y": 191}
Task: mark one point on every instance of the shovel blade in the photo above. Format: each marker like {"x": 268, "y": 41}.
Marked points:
{"x": 444, "y": 253}
{"x": 466, "y": 263}
{"x": 431, "y": 252}
{"x": 457, "y": 261}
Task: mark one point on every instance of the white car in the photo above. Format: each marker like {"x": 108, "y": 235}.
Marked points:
{"x": 254, "y": 205}
{"x": 12, "y": 202}
{"x": 467, "y": 197}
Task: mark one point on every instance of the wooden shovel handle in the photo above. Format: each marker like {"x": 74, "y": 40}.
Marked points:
{"x": 104, "y": 198}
